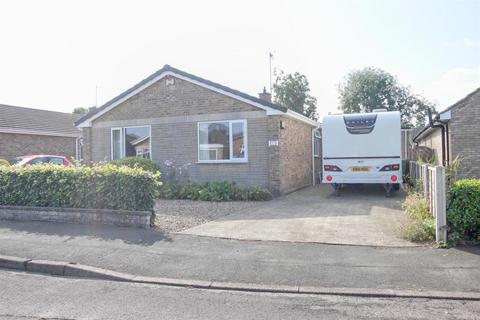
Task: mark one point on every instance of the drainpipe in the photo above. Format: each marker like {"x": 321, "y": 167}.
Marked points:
{"x": 447, "y": 139}
{"x": 314, "y": 181}
{"x": 313, "y": 156}
{"x": 432, "y": 125}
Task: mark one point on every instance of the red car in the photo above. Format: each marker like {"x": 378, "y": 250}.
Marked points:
{"x": 23, "y": 161}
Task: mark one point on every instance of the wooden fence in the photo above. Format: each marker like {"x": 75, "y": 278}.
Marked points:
{"x": 433, "y": 189}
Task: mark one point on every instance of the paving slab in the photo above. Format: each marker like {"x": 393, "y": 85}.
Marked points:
{"x": 361, "y": 215}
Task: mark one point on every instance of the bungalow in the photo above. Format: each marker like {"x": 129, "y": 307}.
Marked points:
{"x": 454, "y": 132}
{"x": 33, "y": 131}
{"x": 216, "y": 132}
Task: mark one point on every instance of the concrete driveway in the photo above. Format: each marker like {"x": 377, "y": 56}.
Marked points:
{"x": 361, "y": 215}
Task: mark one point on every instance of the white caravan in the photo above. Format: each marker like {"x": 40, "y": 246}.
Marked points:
{"x": 362, "y": 148}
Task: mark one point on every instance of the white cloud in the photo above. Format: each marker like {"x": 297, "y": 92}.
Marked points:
{"x": 452, "y": 86}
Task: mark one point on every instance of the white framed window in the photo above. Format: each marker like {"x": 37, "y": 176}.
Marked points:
{"x": 317, "y": 144}
{"x": 131, "y": 142}
{"x": 222, "y": 141}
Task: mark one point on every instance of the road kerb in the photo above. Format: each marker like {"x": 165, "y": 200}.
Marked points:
{"x": 69, "y": 269}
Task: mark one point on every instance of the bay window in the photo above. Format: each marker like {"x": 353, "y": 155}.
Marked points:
{"x": 222, "y": 141}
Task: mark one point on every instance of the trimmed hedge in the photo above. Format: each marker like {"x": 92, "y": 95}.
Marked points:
{"x": 463, "y": 214}
{"x": 102, "y": 187}
{"x": 4, "y": 162}
{"x": 214, "y": 191}
{"x": 135, "y": 162}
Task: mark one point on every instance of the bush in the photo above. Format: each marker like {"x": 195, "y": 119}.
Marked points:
{"x": 463, "y": 213}
{"x": 421, "y": 225}
{"x": 135, "y": 162}
{"x": 214, "y": 191}
{"x": 4, "y": 162}
{"x": 105, "y": 187}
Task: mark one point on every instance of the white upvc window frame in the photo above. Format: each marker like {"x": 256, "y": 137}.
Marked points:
{"x": 122, "y": 139}
{"x": 245, "y": 138}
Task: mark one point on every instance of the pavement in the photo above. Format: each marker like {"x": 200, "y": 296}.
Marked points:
{"x": 361, "y": 215}
{"x": 151, "y": 253}
{"x": 30, "y": 296}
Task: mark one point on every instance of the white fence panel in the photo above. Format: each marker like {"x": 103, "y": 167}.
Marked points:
{"x": 434, "y": 191}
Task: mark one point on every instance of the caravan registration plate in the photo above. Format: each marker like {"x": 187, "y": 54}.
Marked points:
{"x": 361, "y": 169}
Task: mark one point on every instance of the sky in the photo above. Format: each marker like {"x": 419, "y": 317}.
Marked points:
{"x": 58, "y": 55}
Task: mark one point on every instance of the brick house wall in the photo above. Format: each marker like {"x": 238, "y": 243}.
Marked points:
{"x": 173, "y": 111}
{"x": 434, "y": 142}
{"x": 15, "y": 144}
{"x": 464, "y": 128}
{"x": 295, "y": 155}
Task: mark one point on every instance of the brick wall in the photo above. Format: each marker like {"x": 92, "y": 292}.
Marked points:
{"x": 14, "y": 144}
{"x": 434, "y": 142}
{"x": 183, "y": 98}
{"x": 295, "y": 151}
{"x": 465, "y": 135}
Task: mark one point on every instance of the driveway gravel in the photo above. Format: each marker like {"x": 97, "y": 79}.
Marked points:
{"x": 179, "y": 215}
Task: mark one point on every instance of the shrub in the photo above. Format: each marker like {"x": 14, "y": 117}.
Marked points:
{"x": 135, "y": 162}
{"x": 107, "y": 187}
{"x": 421, "y": 224}
{"x": 214, "y": 191}
{"x": 4, "y": 162}
{"x": 463, "y": 214}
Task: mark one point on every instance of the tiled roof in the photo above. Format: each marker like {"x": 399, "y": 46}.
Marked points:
{"x": 23, "y": 120}
{"x": 167, "y": 68}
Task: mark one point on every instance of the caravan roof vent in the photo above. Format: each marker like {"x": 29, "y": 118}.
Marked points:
{"x": 379, "y": 110}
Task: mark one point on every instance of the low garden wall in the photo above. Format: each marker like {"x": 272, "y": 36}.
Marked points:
{"x": 123, "y": 218}
{"x": 102, "y": 194}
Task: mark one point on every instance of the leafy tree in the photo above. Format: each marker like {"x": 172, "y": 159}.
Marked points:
{"x": 293, "y": 91}
{"x": 83, "y": 110}
{"x": 371, "y": 88}
{"x": 80, "y": 110}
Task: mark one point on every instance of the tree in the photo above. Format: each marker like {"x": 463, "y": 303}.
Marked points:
{"x": 293, "y": 91}
{"x": 83, "y": 110}
{"x": 371, "y": 88}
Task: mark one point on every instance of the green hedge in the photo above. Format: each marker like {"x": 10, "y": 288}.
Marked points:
{"x": 105, "y": 187}
{"x": 135, "y": 162}
{"x": 463, "y": 213}
{"x": 214, "y": 191}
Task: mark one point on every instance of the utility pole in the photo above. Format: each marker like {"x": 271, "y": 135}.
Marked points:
{"x": 96, "y": 95}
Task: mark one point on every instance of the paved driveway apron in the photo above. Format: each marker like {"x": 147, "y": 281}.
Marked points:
{"x": 361, "y": 215}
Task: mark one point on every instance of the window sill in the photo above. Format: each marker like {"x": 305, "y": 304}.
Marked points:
{"x": 222, "y": 162}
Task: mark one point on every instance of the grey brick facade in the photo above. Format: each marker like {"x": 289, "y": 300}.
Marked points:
{"x": 14, "y": 144}
{"x": 465, "y": 134}
{"x": 173, "y": 107}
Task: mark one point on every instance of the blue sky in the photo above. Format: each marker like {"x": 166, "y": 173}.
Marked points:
{"x": 54, "y": 53}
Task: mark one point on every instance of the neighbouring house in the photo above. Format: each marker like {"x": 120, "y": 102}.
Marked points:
{"x": 213, "y": 132}
{"x": 455, "y": 132}
{"x": 32, "y": 131}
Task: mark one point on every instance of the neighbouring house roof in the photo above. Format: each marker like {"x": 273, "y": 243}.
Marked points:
{"x": 270, "y": 107}
{"x": 444, "y": 115}
{"x": 38, "y": 122}
{"x": 139, "y": 140}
